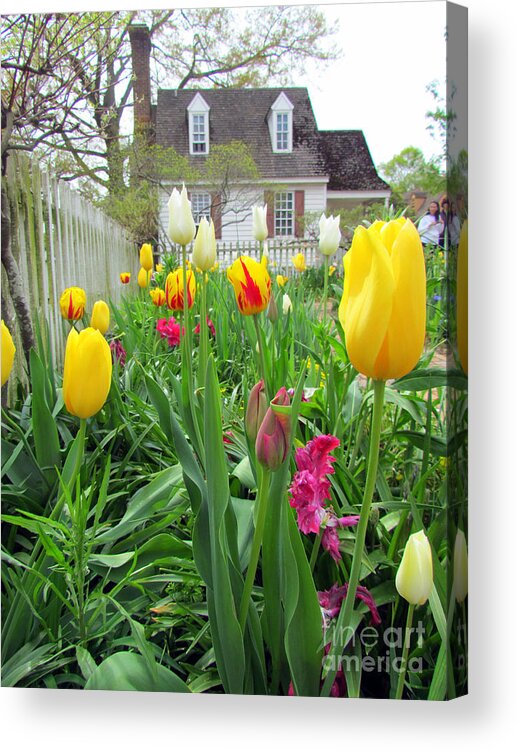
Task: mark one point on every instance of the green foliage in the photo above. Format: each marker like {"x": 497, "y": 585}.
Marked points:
{"x": 126, "y": 541}
{"x": 410, "y": 170}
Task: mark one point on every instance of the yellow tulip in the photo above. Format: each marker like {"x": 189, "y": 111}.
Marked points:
{"x": 100, "y": 316}
{"x": 87, "y": 372}
{"x": 144, "y": 277}
{"x": 332, "y": 269}
{"x": 125, "y": 277}
{"x": 299, "y": 262}
{"x": 251, "y": 284}
{"x": 460, "y": 567}
{"x": 72, "y": 303}
{"x": 282, "y": 280}
{"x": 383, "y": 306}
{"x": 159, "y": 267}
{"x": 146, "y": 256}
{"x": 157, "y": 296}
{"x": 8, "y": 352}
{"x": 414, "y": 579}
{"x": 462, "y": 292}
{"x": 174, "y": 289}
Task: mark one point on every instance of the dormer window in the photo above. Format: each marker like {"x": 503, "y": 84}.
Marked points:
{"x": 198, "y": 126}
{"x": 280, "y": 121}
{"x": 198, "y": 134}
{"x": 282, "y": 131}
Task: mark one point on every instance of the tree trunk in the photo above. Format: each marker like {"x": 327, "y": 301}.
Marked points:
{"x": 14, "y": 280}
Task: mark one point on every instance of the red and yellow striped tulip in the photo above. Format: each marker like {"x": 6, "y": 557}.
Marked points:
{"x": 174, "y": 289}
{"x": 157, "y": 296}
{"x": 251, "y": 284}
{"x": 125, "y": 277}
{"x": 72, "y": 303}
{"x": 383, "y": 306}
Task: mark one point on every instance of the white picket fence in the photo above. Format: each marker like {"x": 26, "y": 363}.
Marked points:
{"x": 59, "y": 239}
{"x": 280, "y": 254}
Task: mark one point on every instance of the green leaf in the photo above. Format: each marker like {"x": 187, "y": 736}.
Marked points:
{"x": 434, "y": 377}
{"x": 46, "y": 439}
{"x": 127, "y": 671}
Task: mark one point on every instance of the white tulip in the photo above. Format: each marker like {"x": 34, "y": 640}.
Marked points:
{"x": 182, "y": 227}
{"x": 329, "y": 234}
{"x": 260, "y": 222}
{"x": 287, "y": 305}
{"x": 205, "y": 247}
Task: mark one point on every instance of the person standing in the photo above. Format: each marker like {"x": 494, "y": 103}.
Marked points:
{"x": 431, "y": 225}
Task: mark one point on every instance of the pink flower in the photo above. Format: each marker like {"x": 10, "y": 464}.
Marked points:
{"x": 170, "y": 330}
{"x": 118, "y": 353}
{"x": 211, "y": 327}
{"x": 310, "y": 491}
{"x": 331, "y": 601}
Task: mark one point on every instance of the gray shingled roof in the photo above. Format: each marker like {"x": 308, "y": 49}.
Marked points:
{"x": 241, "y": 114}
{"x": 349, "y": 163}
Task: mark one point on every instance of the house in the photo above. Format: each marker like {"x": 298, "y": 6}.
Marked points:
{"x": 302, "y": 171}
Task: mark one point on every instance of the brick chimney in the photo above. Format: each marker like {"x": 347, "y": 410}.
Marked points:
{"x": 140, "y": 55}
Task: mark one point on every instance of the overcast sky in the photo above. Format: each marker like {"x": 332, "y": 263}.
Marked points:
{"x": 392, "y": 51}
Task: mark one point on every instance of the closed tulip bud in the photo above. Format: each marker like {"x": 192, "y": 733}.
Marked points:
{"x": 182, "y": 227}
{"x": 260, "y": 223}
{"x": 87, "y": 372}
{"x": 287, "y": 305}
{"x": 414, "y": 579}
{"x": 100, "y": 316}
{"x": 8, "y": 352}
{"x": 299, "y": 262}
{"x": 383, "y": 306}
{"x": 251, "y": 284}
{"x": 205, "y": 246}
{"x": 282, "y": 280}
{"x": 329, "y": 234}
{"x": 144, "y": 277}
{"x": 146, "y": 256}
{"x": 72, "y": 303}
{"x": 125, "y": 277}
{"x": 256, "y": 410}
{"x": 272, "y": 310}
{"x": 462, "y": 296}
{"x": 460, "y": 580}
{"x": 274, "y": 435}
{"x": 174, "y": 289}
{"x": 158, "y": 296}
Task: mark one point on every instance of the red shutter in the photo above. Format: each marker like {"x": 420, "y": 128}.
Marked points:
{"x": 299, "y": 211}
{"x": 216, "y": 213}
{"x": 269, "y": 200}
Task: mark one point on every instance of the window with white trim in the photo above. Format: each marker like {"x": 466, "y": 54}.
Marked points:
{"x": 199, "y": 140}
{"x": 284, "y": 214}
{"x": 200, "y": 206}
{"x": 282, "y": 131}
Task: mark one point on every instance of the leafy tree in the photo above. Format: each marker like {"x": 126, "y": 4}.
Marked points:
{"x": 410, "y": 170}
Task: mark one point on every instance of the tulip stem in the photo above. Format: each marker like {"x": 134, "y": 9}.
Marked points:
{"x": 315, "y": 549}
{"x": 325, "y": 288}
{"x": 260, "y": 519}
{"x": 347, "y": 608}
{"x": 405, "y": 652}
{"x": 187, "y": 343}
{"x": 262, "y": 362}
{"x": 203, "y": 333}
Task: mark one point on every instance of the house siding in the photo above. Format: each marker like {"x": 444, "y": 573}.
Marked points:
{"x": 237, "y": 221}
